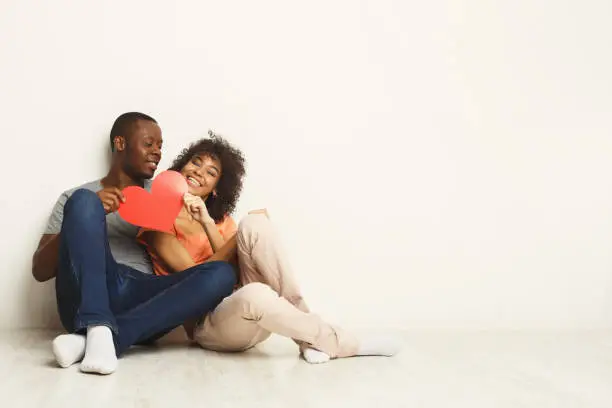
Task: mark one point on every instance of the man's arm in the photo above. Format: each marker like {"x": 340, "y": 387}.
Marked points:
{"x": 45, "y": 259}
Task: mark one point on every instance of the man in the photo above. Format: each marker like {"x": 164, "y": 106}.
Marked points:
{"x": 107, "y": 297}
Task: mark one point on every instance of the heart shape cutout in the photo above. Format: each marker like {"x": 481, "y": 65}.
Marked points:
{"x": 156, "y": 210}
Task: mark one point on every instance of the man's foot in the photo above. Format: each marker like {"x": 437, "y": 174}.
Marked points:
{"x": 315, "y": 356}
{"x": 68, "y": 349}
{"x": 378, "y": 346}
{"x": 100, "y": 357}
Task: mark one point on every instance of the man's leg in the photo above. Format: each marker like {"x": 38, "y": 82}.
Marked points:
{"x": 149, "y": 306}
{"x": 85, "y": 263}
{"x": 92, "y": 289}
{"x": 171, "y": 300}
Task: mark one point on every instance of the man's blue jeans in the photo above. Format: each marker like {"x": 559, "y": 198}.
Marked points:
{"x": 93, "y": 289}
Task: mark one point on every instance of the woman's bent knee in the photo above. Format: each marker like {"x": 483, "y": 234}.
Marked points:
{"x": 256, "y": 294}
{"x": 254, "y": 223}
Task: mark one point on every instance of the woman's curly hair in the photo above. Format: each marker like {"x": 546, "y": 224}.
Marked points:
{"x": 229, "y": 186}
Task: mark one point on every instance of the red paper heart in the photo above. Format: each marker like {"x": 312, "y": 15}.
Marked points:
{"x": 159, "y": 209}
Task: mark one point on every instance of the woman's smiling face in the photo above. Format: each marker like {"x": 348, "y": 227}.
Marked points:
{"x": 202, "y": 173}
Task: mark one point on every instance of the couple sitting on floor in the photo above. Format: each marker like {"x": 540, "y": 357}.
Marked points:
{"x": 229, "y": 285}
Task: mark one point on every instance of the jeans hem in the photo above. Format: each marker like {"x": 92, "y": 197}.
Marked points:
{"x": 80, "y": 325}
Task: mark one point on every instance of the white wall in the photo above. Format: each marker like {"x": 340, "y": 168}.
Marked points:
{"x": 430, "y": 164}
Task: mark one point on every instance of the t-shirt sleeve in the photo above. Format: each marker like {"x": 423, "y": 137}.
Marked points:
{"x": 227, "y": 227}
{"x": 54, "y": 224}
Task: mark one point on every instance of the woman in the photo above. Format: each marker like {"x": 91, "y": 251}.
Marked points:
{"x": 267, "y": 299}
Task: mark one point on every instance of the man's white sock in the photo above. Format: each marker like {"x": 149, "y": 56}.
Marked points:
{"x": 68, "y": 349}
{"x": 100, "y": 356}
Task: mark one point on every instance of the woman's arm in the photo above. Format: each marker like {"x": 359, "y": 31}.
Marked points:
{"x": 169, "y": 250}
{"x": 214, "y": 236}
{"x": 197, "y": 209}
{"x": 227, "y": 252}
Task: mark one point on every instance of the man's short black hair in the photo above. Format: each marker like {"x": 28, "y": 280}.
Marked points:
{"x": 124, "y": 123}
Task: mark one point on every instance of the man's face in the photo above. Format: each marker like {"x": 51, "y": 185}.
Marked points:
{"x": 143, "y": 150}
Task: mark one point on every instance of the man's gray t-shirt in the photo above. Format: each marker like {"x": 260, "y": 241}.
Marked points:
{"x": 121, "y": 234}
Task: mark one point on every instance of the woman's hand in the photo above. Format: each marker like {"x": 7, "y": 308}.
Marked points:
{"x": 196, "y": 207}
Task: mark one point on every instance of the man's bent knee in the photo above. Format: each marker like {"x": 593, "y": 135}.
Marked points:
{"x": 84, "y": 203}
{"x": 218, "y": 275}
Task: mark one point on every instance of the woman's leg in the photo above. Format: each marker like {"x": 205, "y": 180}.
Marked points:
{"x": 248, "y": 316}
{"x": 232, "y": 326}
{"x": 261, "y": 259}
